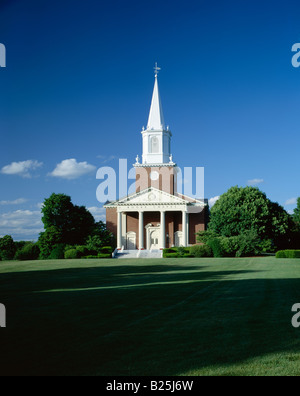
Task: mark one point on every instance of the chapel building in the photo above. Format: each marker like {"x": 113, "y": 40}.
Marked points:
{"x": 156, "y": 216}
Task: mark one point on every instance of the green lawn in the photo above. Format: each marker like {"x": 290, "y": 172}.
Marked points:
{"x": 150, "y": 317}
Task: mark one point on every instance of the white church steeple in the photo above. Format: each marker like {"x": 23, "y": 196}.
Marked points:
{"x": 156, "y": 117}
{"x": 156, "y": 138}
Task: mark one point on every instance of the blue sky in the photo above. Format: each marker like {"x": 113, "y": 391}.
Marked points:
{"x": 78, "y": 86}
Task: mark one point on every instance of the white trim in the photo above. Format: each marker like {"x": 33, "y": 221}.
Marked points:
{"x": 163, "y": 229}
{"x": 124, "y": 228}
{"x": 119, "y": 230}
{"x": 141, "y": 230}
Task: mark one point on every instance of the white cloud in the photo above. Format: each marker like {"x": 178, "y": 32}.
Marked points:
{"x": 292, "y": 201}
{"x": 213, "y": 200}
{"x": 255, "y": 182}
{"x": 71, "y": 169}
{"x": 98, "y": 213}
{"x": 22, "y": 168}
{"x": 18, "y": 201}
{"x": 21, "y": 224}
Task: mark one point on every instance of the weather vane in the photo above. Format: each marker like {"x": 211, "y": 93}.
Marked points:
{"x": 156, "y": 69}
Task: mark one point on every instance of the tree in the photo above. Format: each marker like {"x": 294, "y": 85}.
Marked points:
{"x": 7, "y": 248}
{"x": 69, "y": 225}
{"x": 48, "y": 240}
{"x": 75, "y": 223}
{"x": 296, "y": 215}
{"x": 103, "y": 233}
{"x": 241, "y": 210}
{"x": 30, "y": 251}
{"x": 94, "y": 243}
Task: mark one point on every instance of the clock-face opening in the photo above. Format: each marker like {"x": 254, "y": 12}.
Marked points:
{"x": 154, "y": 176}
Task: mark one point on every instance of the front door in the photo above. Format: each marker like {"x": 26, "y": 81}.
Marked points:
{"x": 131, "y": 241}
{"x": 153, "y": 240}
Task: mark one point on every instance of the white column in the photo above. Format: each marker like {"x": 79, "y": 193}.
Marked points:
{"x": 124, "y": 229}
{"x": 187, "y": 229}
{"x": 141, "y": 230}
{"x": 163, "y": 229}
{"x": 119, "y": 231}
{"x": 184, "y": 229}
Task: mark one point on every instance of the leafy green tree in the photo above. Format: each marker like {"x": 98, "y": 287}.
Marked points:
{"x": 103, "y": 233}
{"x": 75, "y": 223}
{"x": 296, "y": 215}
{"x": 94, "y": 243}
{"x": 7, "y": 248}
{"x": 242, "y": 210}
{"x": 58, "y": 252}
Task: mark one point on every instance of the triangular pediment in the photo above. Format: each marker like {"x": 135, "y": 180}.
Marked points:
{"x": 150, "y": 196}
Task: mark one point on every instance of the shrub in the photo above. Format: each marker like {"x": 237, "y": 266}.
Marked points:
{"x": 72, "y": 254}
{"x": 106, "y": 250}
{"x": 230, "y": 246}
{"x": 29, "y": 251}
{"x": 281, "y": 254}
{"x": 83, "y": 251}
{"x": 7, "y": 248}
{"x": 290, "y": 254}
{"x": 168, "y": 251}
{"x": 58, "y": 252}
{"x": 181, "y": 251}
{"x": 267, "y": 246}
{"x": 293, "y": 253}
{"x": 249, "y": 244}
{"x": 216, "y": 247}
{"x": 48, "y": 240}
{"x": 94, "y": 243}
{"x": 201, "y": 251}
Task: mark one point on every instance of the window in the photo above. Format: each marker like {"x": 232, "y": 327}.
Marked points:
{"x": 154, "y": 145}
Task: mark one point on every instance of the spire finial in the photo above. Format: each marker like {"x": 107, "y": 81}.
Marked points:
{"x": 156, "y": 69}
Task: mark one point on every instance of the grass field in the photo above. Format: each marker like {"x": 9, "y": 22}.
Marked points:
{"x": 151, "y": 317}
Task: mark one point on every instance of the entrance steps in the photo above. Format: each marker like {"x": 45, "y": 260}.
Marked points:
{"x": 139, "y": 254}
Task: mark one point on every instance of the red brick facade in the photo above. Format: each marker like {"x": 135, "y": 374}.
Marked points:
{"x": 166, "y": 181}
{"x": 197, "y": 222}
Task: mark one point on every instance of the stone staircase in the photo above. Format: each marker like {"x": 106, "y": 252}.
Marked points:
{"x": 138, "y": 254}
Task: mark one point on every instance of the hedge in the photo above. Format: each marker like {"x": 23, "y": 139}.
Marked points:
{"x": 171, "y": 255}
{"x": 289, "y": 254}
{"x": 177, "y": 252}
{"x": 201, "y": 251}
{"x": 183, "y": 252}
{"x": 72, "y": 254}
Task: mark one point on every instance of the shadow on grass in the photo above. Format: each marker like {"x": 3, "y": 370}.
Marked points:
{"x": 142, "y": 320}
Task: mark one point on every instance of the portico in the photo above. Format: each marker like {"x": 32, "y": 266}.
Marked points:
{"x": 157, "y": 219}
{"x": 151, "y": 236}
